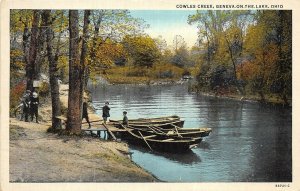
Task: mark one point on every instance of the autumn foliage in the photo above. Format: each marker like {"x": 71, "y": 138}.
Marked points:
{"x": 253, "y": 48}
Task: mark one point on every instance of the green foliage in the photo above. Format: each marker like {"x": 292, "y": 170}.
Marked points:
{"x": 16, "y": 66}
{"x": 181, "y": 57}
{"x": 255, "y": 46}
{"x": 63, "y": 66}
{"x": 44, "y": 89}
{"x": 105, "y": 54}
{"x": 138, "y": 74}
{"x": 142, "y": 49}
{"x": 138, "y": 71}
{"x": 20, "y": 18}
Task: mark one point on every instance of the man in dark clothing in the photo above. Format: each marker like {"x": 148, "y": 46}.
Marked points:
{"x": 34, "y": 106}
{"x": 105, "y": 112}
{"x": 26, "y": 104}
{"x": 85, "y": 113}
{"x": 125, "y": 118}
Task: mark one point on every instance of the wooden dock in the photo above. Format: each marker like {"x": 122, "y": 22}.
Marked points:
{"x": 97, "y": 126}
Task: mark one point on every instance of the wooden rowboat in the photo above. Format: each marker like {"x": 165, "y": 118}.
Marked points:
{"x": 175, "y": 132}
{"x": 162, "y": 121}
{"x": 160, "y": 142}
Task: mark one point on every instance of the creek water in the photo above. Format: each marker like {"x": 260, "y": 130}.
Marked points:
{"x": 249, "y": 142}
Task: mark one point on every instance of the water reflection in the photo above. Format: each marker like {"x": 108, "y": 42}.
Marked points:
{"x": 204, "y": 145}
{"x": 249, "y": 143}
{"x": 186, "y": 158}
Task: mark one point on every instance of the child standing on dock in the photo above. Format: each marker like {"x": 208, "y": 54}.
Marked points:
{"x": 105, "y": 112}
{"x": 125, "y": 118}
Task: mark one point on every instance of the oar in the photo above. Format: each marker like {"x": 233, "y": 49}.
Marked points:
{"x": 153, "y": 129}
{"x": 145, "y": 140}
{"x": 113, "y": 136}
{"x": 176, "y": 130}
{"x": 157, "y": 129}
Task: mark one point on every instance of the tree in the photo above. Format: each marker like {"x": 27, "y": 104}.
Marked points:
{"x": 161, "y": 44}
{"x": 269, "y": 44}
{"x": 31, "y": 73}
{"x": 181, "y": 57}
{"x": 84, "y": 50}
{"x": 283, "y": 70}
{"x": 20, "y": 23}
{"x": 109, "y": 28}
{"x": 222, "y": 33}
{"x": 75, "y": 70}
{"x": 178, "y": 42}
{"x": 53, "y": 68}
{"x": 142, "y": 49}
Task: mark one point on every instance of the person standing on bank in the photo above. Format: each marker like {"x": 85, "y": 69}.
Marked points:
{"x": 85, "y": 113}
{"x": 34, "y": 106}
{"x": 125, "y": 118}
{"x": 105, "y": 112}
{"x": 26, "y": 104}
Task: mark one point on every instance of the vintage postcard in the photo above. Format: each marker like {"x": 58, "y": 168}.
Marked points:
{"x": 149, "y": 95}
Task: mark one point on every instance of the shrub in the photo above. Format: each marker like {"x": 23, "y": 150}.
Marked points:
{"x": 44, "y": 89}
{"x": 166, "y": 74}
{"x": 186, "y": 72}
{"x": 166, "y": 70}
{"x": 16, "y": 94}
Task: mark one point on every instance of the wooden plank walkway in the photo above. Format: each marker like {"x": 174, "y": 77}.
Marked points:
{"x": 97, "y": 126}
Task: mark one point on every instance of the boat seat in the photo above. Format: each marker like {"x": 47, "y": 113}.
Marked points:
{"x": 150, "y": 136}
{"x": 165, "y": 140}
{"x": 171, "y": 133}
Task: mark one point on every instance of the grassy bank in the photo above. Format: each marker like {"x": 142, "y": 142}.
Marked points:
{"x": 268, "y": 98}
{"x": 141, "y": 75}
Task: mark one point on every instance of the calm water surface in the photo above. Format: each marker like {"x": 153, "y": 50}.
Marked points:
{"x": 249, "y": 142}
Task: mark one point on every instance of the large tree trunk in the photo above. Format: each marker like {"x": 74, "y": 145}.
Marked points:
{"x": 41, "y": 50}
{"x": 84, "y": 50}
{"x": 53, "y": 71}
{"x": 31, "y": 74}
{"x": 74, "y": 105}
{"x": 26, "y": 44}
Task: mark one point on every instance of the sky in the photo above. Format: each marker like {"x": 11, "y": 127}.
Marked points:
{"x": 168, "y": 24}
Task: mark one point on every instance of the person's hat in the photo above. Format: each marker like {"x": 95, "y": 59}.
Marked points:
{"x": 34, "y": 94}
{"x": 124, "y": 112}
{"x": 107, "y": 102}
{"x": 28, "y": 91}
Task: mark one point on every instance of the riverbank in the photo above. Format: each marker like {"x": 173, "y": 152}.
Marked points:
{"x": 248, "y": 98}
{"x": 38, "y": 156}
{"x": 158, "y": 74}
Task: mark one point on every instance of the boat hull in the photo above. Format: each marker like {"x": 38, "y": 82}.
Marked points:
{"x": 158, "y": 141}
{"x": 182, "y": 132}
{"x": 175, "y": 146}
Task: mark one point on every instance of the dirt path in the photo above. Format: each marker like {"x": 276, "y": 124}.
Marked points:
{"x": 37, "y": 156}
